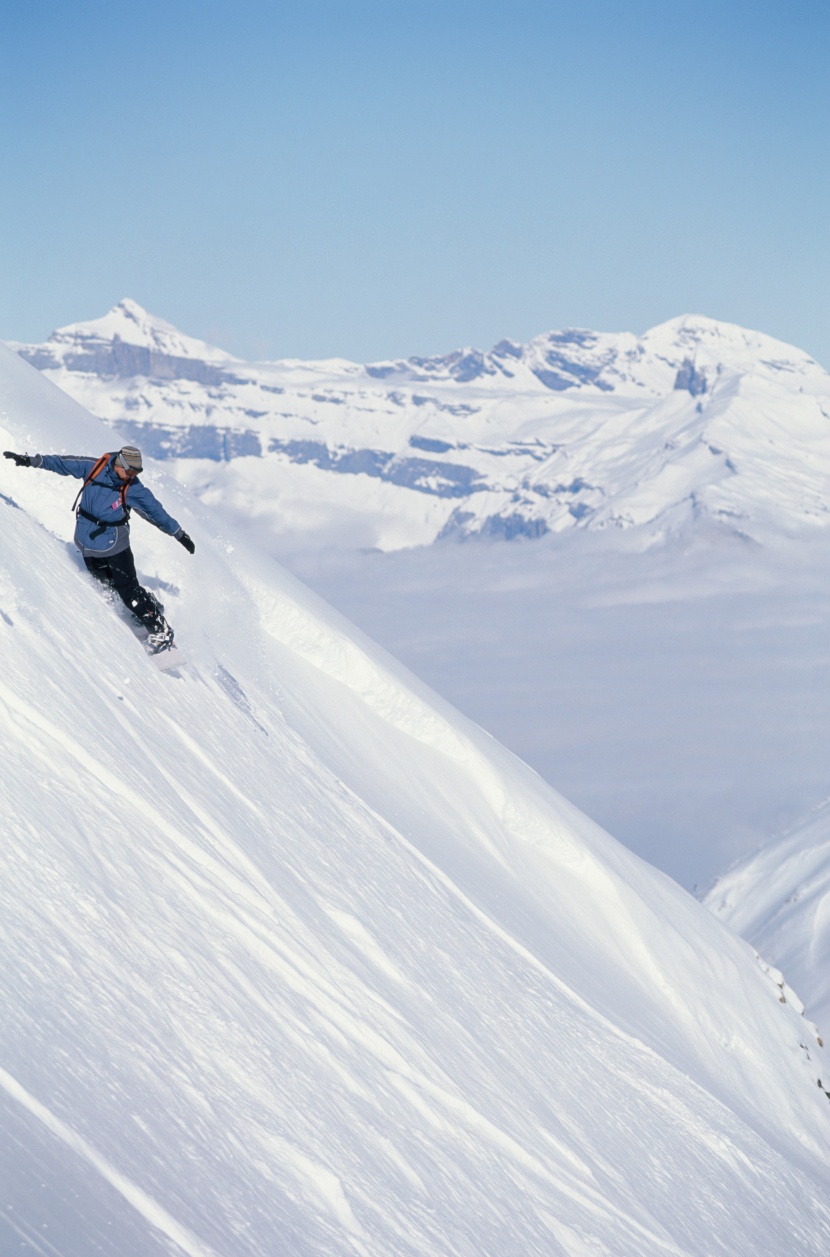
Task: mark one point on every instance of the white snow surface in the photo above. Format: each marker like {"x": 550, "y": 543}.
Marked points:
{"x": 779, "y": 898}
{"x": 298, "y": 960}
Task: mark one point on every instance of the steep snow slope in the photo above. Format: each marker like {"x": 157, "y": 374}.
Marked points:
{"x": 695, "y": 420}
{"x": 779, "y": 898}
{"x": 295, "y": 959}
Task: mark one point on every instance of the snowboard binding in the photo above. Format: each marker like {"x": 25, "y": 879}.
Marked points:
{"x": 161, "y": 639}
{"x": 151, "y": 615}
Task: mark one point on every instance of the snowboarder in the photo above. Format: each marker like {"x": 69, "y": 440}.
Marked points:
{"x": 111, "y": 489}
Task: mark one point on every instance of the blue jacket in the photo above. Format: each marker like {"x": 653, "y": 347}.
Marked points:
{"x": 102, "y": 499}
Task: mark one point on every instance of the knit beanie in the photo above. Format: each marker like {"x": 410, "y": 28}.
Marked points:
{"x": 129, "y": 458}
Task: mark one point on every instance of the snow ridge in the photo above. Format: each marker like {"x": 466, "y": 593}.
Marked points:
{"x": 779, "y": 899}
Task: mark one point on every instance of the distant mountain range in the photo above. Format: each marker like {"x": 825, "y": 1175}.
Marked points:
{"x": 695, "y": 423}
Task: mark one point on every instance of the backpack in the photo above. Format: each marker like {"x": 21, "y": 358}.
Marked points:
{"x": 93, "y": 519}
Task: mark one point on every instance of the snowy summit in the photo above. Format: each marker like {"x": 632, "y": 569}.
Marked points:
{"x": 129, "y": 341}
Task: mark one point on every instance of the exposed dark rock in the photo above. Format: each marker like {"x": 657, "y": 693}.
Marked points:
{"x": 430, "y": 445}
{"x": 122, "y": 360}
{"x": 443, "y": 480}
{"x": 195, "y": 441}
{"x": 691, "y": 378}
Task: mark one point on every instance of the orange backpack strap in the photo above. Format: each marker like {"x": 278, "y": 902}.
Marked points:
{"x": 96, "y": 471}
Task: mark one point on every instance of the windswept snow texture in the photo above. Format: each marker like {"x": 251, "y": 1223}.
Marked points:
{"x": 297, "y": 960}
{"x": 694, "y": 422}
{"x": 779, "y": 899}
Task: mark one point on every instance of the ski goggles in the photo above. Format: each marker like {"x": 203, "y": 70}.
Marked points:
{"x": 129, "y": 460}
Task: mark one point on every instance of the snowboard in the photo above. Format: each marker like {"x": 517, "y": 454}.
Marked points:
{"x": 164, "y": 660}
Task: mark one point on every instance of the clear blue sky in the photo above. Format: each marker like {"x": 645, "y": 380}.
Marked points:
{"x": 372, "y": 178}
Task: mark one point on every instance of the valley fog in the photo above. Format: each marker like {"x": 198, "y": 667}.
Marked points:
{"x": 679, "y": 696}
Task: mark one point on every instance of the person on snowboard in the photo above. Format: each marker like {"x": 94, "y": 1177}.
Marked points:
{"x": 111, "y": 489}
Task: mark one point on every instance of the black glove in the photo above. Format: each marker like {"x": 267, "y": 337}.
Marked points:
{"x": 189, "y": 545}
{"x": 22, "y": 460}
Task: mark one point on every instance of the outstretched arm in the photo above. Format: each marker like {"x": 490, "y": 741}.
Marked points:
{"x": 68, "y": 465}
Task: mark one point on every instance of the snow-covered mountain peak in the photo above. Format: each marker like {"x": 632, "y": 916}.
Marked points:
{"x": 580, "y": 359}
{"x": 555, "y": 361}
{"x": 126, "y": 342}
{"x": 727, "y": 346}
{"x": 131, "y": 324}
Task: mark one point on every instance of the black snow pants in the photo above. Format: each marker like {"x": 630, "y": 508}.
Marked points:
{"x": 118, "y": 571}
